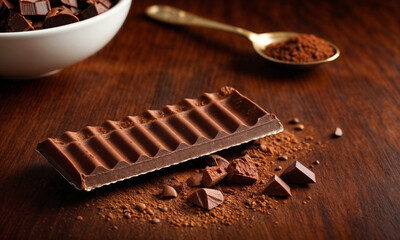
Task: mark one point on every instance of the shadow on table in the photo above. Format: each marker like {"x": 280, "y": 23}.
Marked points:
{"x": 42, "y": 187}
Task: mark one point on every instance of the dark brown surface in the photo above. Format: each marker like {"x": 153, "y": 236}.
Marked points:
{"x": 357, "y": 193}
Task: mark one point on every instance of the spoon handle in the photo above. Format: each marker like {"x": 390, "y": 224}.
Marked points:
{"x": 177, "y": 16}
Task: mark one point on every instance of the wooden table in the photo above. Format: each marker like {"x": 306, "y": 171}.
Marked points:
{"x": 149, "y": 64}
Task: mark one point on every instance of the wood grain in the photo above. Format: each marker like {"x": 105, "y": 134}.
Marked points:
{"x": 149, "y": 64}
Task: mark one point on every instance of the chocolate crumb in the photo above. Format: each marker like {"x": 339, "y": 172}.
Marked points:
{"x": 299, "y": 127}
{"x": 338, "y": 132}
{"x": 278, "y": 168}
{"x": 79, "y": 218}
{"x": 163, "y": 209}
{"x": 283, "y": 157}
{"x": 141, "y": 207}
{"x": 114, "y": 227}
{"x": 155, "y": 220}
{"x": 294, "y": 120}
{"x": 316, "y": 162}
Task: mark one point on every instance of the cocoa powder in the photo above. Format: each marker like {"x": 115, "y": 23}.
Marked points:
{"x": 141, "y": 202}
{"x": 301, "y": 48}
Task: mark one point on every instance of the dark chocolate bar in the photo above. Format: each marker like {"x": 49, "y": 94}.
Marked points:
{"x": 156, "y": 139}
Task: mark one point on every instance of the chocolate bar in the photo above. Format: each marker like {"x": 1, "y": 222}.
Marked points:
{"x": 155, "y": 139}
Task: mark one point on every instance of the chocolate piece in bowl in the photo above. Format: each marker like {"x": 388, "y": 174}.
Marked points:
{"x": 34, "y": 7}
{"x": 118, "y": 150}
{"x": 206, "y": 198}
{"x": 216, "y": 160}
{"x": 213, "y": 175}
{"x": 6, "y": 6}
{"x": 70, "y": 3}
{"x": 242, "y": 171}
{"x": 93, "y": 10}
{"x": 18, "y": 23}
{"x": 59, "y": 16}
{"x": 298, "y": 174}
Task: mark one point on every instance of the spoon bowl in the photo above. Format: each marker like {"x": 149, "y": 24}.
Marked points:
{"x": 260, "y": 41}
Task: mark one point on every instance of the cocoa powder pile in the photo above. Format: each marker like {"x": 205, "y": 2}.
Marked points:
{"x": 148, "y": 200}
{"x": 301, "y": 48}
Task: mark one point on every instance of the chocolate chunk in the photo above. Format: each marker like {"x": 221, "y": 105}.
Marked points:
{"x": 168, "y": 192}
{"x": 296, "y": 173}
{"x": 216, "y": 160}
{"x": 70, "y": 3}
{"x": 59, "y": 16}
{"x": 93, "y": 10}
{"x": 277, "y": 187}
{"x": 213, "y": 175}
{"x": 195, "y": 180}
{"x": 34, "y": 7}
{"x": 294, "y": 120}
{"x": 338, "y": 132}
{"x": 18, "y": 23}
{"x": 206, "y": 198}
{"x": 242, "y": 171}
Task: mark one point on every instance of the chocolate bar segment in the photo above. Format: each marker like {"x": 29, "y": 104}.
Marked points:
{"x": 118, "y": 150}
{"x": 34, "y": 7}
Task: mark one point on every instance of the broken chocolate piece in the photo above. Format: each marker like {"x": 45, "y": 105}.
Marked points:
{"x": 195, "y": 180}
{"x": 168, "y": 192}
{"x": 59, "y": 16}
{"x": 93, "y": 10}
{"x": 216, "y": 160}
{"x": 34, "y": 7}
{"x": 17, "y": 23}
{"x": 277, "y": 187}
{"x": 213, "y": 175}
{"x": 206, "y": 198}
{"x": 297, "y": 173}
{"x": 156, "y": 139}
{"x": 242, "y": 171}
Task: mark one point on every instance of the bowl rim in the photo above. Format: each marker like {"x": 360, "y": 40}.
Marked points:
{"x": 120, "y": 4}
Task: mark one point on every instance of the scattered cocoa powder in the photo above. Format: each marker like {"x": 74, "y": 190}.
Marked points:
{"x": 140, "y": 202}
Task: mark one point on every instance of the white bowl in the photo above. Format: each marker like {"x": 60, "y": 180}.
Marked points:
{"x": 39, "y": 53}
